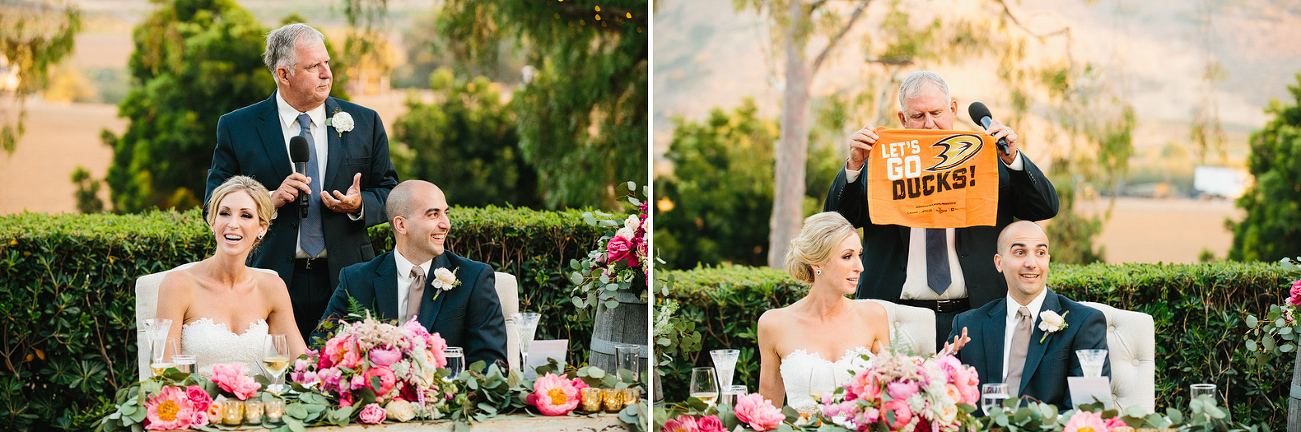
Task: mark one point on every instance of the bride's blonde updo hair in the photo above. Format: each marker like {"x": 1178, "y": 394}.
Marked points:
{"x": 817, "y": 241}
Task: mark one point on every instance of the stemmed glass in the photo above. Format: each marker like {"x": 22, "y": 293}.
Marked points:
{"x": 158, "y": 355}
{"x": 455, "y": 362}
{"x": 992, "y": 396}
{"x": 704, "y": 385}
{"x": 725, "y": 363}
{"x": 526, "y": 324}
{"x": 275, "y": 357}
{"x": 820, "y": 383}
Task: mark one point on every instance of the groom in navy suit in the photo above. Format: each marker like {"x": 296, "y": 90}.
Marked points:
{"x": 405, "y": 282}
{"x": 1007, "y": 343}
{"x": 348, "y": 175}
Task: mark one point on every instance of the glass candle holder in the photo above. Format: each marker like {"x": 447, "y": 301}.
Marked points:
{"x": 274, "y": 410}
{"x": 232, "y": 413}
{"x": 612, "y": 399}
{"x": 591, "y": 399}
{"x": 631, "y": 396}
{"x": 253, "y": 412}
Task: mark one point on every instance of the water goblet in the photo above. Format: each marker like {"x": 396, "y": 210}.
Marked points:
{"x": 626, "y": 357}
{"x": 526, "y": 324}
{"x": 704, "y": 385}
{"x": 156, "y": 328}
{"x": 725, "y": 363}
{"x": 184, "y": 362}
{"x": 158, "y": 355}
{"x": 992, "y": 396}
{"x": 455, "y": 362}
{"x": 730, "y": 394}
{"x": 1203, "y": 389}
{"x": 275, "y": 357}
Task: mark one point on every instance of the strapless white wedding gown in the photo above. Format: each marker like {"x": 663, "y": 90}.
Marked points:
{"x": 213, "y": 343}
{"x": 804, "y": 374}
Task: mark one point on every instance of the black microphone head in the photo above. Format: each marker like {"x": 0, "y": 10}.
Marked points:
{"x": 298, "y": 151}
{"x": 978, "y": 111}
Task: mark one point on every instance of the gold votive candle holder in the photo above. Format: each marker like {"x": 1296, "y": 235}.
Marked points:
{"x": 275, "y": 409}
{"x": 591, "y": 399}
{"x": 631, "y": 396}
{"x": 253, "y": 412}
{"x": 232, "y": 413}
{"x": 612, "y": 400}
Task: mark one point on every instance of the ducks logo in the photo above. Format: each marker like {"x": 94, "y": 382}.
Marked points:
{"x": 957, "y": 149}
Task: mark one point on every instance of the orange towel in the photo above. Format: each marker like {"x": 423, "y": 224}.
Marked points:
{"x": 932, "y": 178}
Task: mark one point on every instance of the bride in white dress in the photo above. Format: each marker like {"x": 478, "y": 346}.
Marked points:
{"x": 812, "y": 345}
{"x": 222, "y": 310}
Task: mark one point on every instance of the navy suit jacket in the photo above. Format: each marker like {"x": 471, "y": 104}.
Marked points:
{"x": 1025, "y": 195}
{"x": 468, "y": 316}
{"x": 250, "y": 142}
{"x": 1047, "y": 364}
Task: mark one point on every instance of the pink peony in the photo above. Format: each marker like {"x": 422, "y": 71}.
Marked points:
{"x": 902, "y": 389}
{"x": 171, "y": 409}
{"x": 710, "y": 423}
{"x": 553, "y": 395}
{"x": 436, "y": 346}
{"x": 968, "y": 383}
{"x": 759, "y": 413}
{"x": 618, "y": 248}
{"x": 1084, "y": 421}
{"x": 1295, "y": 298}
{"x": 386, "y": 380}
{"x": 198, "y": 397}
{"x": 902, "y": 413}
{"x": 579, "y": 384}
{"x": 864, "y": 385}
{"x": 231, "y": 379}
{"x": 371, "y": 414}
{"x": 384, "y": 356}
{"x": 1114, "y": 422}
{"x": 684, "y": 423}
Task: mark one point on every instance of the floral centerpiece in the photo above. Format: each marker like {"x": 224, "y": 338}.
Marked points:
{"x": 905, "y": 393}
{"x": 621, "y": 256}
{"x": 1278, "y": 332}
{"x": 176, "y": 400}
{"x": 378, "y": 367}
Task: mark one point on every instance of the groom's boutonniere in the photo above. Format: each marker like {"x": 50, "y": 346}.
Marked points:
{"x": 444, "y": 280}
{"x": 1050, "y": 322}
{"x": 341, "y": 121}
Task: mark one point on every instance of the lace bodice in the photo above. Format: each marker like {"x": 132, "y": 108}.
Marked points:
{"x": 213, "y": 343}
{"x": 804, "y": 374}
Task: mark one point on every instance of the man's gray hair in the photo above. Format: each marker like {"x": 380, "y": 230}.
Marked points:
{"x": 915, "y": 82}
{"x": 281, "y": 44}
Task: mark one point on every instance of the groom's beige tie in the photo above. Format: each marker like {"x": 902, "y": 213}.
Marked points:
{"x": 1016, "y": 356}
{"x": 415, "y": 292}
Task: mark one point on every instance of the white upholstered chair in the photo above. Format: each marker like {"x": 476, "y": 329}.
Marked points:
{"x": 1131, "y": 348}
{"x": 147, "y": 307}
{"x": 914, "y": 326}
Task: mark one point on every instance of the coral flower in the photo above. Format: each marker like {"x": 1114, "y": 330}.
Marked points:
{"x": 171, "y": 409}
{"x": 553, "y": 395}
{"x": 684, "y": 423}
{"x": 902, "y": 413}
{"x": 759, "y": 413}
{"x": 386, "y": 380}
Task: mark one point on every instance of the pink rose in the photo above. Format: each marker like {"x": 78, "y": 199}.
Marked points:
{"x": 902, "y": 389}
{"x": 710, "y": 423}
{"x": 384, "y": 356}
{"x": 902, "y": 414}
{"x": 578, "y": 384}
{"x": 199, "y": 418}
{"x": 684, "y": 423}
{"x": 198, "y": 397}
{"x": 759, "y": 413}
{"x": 371, "y": 414}
{"x": 171, "y": 409}
{"x": 386, "y": 380}
{"x": 1295, "y": 298}
{"x": 1114, "y": 422}
{"x": 1084, "y": 421}
{"x": 232, "y": 380}
{"x": 618, "y": 248}
{"x": 553, "y": 395}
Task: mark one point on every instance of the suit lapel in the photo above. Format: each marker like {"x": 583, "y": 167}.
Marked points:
{"x": 273, "y": 140}
{"x": 386, "y": 287}
{"x": 335, "y": 150}
{"x": 995, "y": 326}
{"x": 430, "y": 307}
{"x": 1035, "y": 353}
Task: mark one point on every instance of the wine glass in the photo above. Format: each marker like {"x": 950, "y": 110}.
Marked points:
{"x": 158, "y": 355}
{"x": 820, "y": 383}
{"x": 725, "y": 363}
{"x": 455, "y": 362}
{"x": 704, "y": 385}
{"x": 275, "y": 357}
{"x": 526, "y": 324}
{"x": 992, "y": 396}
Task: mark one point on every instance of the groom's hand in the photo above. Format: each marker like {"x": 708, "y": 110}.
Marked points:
{"x": 290, "y": 188}
{"x": 345, "y": 203}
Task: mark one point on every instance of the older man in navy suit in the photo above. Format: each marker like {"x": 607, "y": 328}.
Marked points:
{"x": 453, "y": 296}
{"x": 348, "y": 175}
{"x": 1020, "y": 340}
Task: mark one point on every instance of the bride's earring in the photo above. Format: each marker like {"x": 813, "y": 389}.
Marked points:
{"x": 817, "y": 272}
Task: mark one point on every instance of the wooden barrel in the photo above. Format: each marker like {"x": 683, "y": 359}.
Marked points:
{"x": 1294, "y": 399}
{"x": 626, "y": 323}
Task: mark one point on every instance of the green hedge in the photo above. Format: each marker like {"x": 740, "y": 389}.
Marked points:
{"x": 1198, "y": 309}
{"x": 67, "y": 304}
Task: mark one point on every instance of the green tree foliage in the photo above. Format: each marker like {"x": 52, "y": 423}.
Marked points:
{"x": 87, "y": 194}
{"x": 34, "y": 36}
{"x": 714, "y": 208}
{"x": 465, "y": 142}
{"x": 1272, "y": 228}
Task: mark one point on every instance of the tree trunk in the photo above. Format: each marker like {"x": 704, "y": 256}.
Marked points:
{"x": 1294, "y": 399}
{"x": 792, "y": 147}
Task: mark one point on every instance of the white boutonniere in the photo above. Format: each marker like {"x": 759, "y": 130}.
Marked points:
{"x": 444, "y": 280}
{"x": 341, "y": 121}
{"x": 1050, "y": 322}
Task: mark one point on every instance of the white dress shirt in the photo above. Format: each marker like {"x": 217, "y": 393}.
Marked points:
{"x": 289, "y": 127}
{"x": 915, "y": 286}
{"x": 404, "y": 278}
{"x": 1012, "y": 306}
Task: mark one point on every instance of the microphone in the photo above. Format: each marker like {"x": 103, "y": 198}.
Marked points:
{"x": 979, "y": 112}
{"x": 299, "y": 154}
